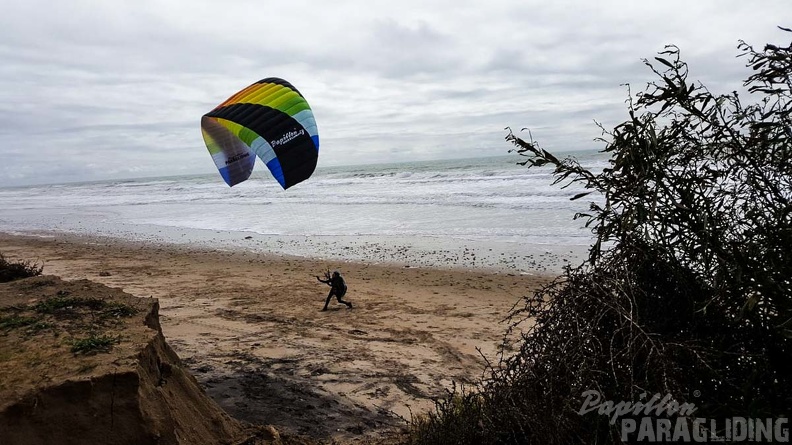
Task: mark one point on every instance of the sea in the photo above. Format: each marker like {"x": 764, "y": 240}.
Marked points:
{"x": 484, "y": 213}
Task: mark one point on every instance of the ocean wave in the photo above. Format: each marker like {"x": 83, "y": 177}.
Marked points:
{"x": 487, "y": 200}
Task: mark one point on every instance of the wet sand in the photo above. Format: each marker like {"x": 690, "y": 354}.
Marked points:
{"x": 251, "y": 329}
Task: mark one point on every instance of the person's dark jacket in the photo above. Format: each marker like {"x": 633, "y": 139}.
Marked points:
{"x": 336, "y": 283}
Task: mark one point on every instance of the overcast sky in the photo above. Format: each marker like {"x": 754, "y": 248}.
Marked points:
{"x": 116, "y": 89}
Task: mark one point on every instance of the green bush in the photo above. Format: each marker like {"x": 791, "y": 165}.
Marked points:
{"x": 686, "y": 291}
{"x": 16, "y": 321}
{"x": 62, "y": 302}
{"x": 103, "y": 308}
{"x": 94, "y": 344}
{"x": 456, "y": 419}
{"x": 10, "y": 271}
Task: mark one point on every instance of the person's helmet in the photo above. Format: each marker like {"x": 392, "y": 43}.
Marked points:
{"x": 336, "y": 273}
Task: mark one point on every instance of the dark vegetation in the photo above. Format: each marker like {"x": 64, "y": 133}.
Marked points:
{"x": 14, "y": 270}
{"x": 687, "y": 289}
{"x": 94, "y": 343}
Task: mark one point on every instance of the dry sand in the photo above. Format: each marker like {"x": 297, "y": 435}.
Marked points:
{"x": 251, "y": 329}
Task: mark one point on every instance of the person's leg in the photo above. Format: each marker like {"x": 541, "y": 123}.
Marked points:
{"x": 348, "y": 304}
{"x": 329, "y": 296}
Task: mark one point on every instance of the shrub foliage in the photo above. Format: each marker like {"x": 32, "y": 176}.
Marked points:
{"x": 14, "y": 270}
{"x": 687, "y": 289}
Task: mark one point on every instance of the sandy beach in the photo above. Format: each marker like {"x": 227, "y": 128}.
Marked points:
{"x": 250, "y": 327}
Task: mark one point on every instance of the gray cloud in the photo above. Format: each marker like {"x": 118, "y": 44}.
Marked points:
{"x": 116, "y": 89}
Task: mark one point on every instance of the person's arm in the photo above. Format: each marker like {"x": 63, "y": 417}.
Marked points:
{"x": 321, "y": 280}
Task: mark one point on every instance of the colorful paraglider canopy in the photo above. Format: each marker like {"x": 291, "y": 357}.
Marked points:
{"x": 269, "y": 119}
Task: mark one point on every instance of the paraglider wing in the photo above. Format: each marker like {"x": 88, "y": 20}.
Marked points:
{"x": 269, "y": 119}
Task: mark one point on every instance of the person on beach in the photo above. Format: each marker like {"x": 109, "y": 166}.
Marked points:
{"x": 337, "y": 287}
